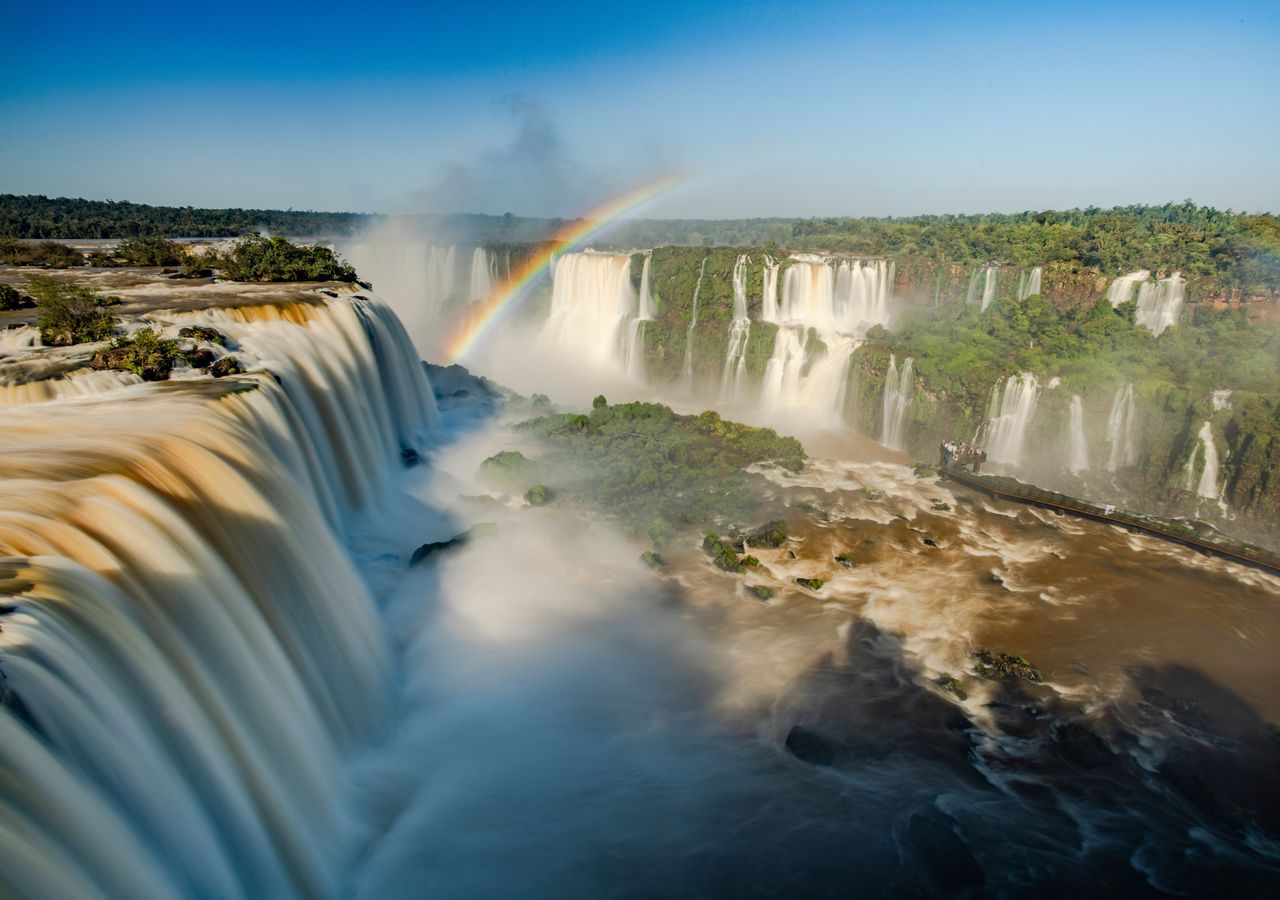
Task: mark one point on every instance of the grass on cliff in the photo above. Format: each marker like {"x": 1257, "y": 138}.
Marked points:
{"x": 656, "y": 472}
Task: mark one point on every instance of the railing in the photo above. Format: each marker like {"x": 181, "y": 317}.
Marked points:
{"x": 1011, "y": 489}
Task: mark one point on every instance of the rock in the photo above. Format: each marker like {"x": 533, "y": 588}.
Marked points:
{"x": 952, "y": 685}
{"x": 941, "y": 506}
{"x": 203, "y": 333}
{"x": 813, "y": 584}
{"x": 538, "y": 495}
{"x": 227, "y": 365}
{"x": 434, "y": 548}
{"x": 770, "y": 534}
{"x": 845, "y": 558}
{"x": 928, "y": 541}
{"x": 199, "y": 358}
{"x": 999, "y": 666}
{"x": 409, "y": 457}
{"x": 809, "y": 746}
{"x": 653, "y": 559}
{"x": 761, "y": 591}
{"x": 723, "y": 555}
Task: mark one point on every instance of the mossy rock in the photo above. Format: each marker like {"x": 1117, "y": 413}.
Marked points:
{"x": 228, "y": 365}
{"x": 845, "y": 558}
{"x": 724, "y": 556}
{"x": 952, "y": 685}
{"x": 770, "y": 534}
{"x": 761, "y": 591}
{"x": 653, "y": 559}
{"x": 1001, "y": 666}
{"x": 203, "y": 333}
{"x": 509, "y": 470}
{"x": 538, "y": 495}
{"x": 941, "y": 506}
{"x": 813, "y": 584}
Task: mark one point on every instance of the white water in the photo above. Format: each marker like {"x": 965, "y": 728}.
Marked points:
{"x": 897, "y": 400}
{"x": 1207, "y": 485}
{"x": 1121, "y": 290}
{"x": 1221, "y": 400}
{"x": 769, "y": 302}
{"x": 687, "y": 371}
{"x": 1010, "y": 411}
{"x": 591, "y": 303}
{"x": 1159, "y": 304}
{"x": 831, "y": 302}
{"x": 1122, "y": 452}
{"x": 635, "y": 329}
{"x": 735, "y": 359}
{"x": 989, "y": 285}
{"x": 1030, "y": 284}
{"x": 188, "y": 635}
{"x": 482, "y": 275}
{"x": 1077, "y": 443}
{"x": 24, "y": 337}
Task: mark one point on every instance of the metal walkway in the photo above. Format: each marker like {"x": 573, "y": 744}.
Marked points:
{"x": 1002, "y": 488}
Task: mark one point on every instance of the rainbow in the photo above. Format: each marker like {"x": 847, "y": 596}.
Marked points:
{"x": 481, "y": 319}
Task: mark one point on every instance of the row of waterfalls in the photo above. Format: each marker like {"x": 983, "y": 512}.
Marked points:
{"x": 188, "y": 653}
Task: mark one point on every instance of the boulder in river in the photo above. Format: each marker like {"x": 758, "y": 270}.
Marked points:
{"x": 809, "y": 746}
{"x": 1000, "y": 666}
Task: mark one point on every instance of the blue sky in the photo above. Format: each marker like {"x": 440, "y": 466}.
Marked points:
{"x": 770, "y": 109}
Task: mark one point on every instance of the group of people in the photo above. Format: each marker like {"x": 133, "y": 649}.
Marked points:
{"x": 959, "y": 453}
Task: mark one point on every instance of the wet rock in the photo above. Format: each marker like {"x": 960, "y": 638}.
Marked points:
{"x": 409, "y": 457}
{"x": 994, "y": 578}
{"x": 940, "y": 506}
{"x": 809, "y": 746}
{"x": 770, "y": 534}
{"x": 952, "y": 685}
{"x": 203, "y": 333}
{"x": 1000, "y": 666}
{"x": 435, "y": 548}
{"x": 845, "y": 558}
{"x": 724, "y": 556}
{"x": 813, "y": 584}
{"x": 228, "y": 365}
{"x": 928, "y": 541}
{"x": 199, "y": 358}
{"x": 760, "y": 591}
{"x": 653, "y": 559}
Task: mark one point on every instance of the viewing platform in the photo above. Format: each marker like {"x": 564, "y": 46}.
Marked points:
{"x": 1004, "y": 488}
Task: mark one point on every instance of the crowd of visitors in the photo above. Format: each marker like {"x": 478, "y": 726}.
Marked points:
{"x": 959, "y": 453}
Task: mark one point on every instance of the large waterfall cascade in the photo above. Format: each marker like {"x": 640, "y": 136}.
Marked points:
{"x": 769, "y": 286}
{"x": 828, "y": 302}
{"x": 174, "y": 548}
{"x": 1206, "y": 485}
{"x": 1122, "y": 448}
{"x": 592, "y": 302}
{"x": 898, "y": 385}
{"x": 1010, "y": 411}
{"x": 687, "y": 370}
{"x": 735, "y": 359}
{"x": 1077, "y": 443}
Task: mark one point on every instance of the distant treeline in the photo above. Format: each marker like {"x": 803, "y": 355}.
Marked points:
{"x": 1226, "y": 249}
{"x": 60, "y": 217}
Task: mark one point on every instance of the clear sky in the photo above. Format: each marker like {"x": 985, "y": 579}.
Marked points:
{"x": 770, "y": 109}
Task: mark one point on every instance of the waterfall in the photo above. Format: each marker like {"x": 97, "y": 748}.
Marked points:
{"x": 1221, "y": 400}
{"x": 591, "y": 302}
{"x": 687, "y": 372}
{"x": 897, "y": 400}
{"x": 482, "y": 272}
{"x": 23, "y": 337}
{"x": 826, "y": 308}
{"x": 769, "y": 300}
{"x": 989, "y": 286}
{"x": 1077, "y": 445}
{"x": 1029, "y": 284}
{"x": 1159, "y": 304}
{"x": 1121, "y": 290}
{"x": 191, "y": 651}
{"x": 1011, "y": 408}
{"x": 1122, "y": 452}
{"x": 735, "y": 358}
{"x": 1207, "y": 486}
{"x": 971, "y": 296}
{"x": 635, "y": 334}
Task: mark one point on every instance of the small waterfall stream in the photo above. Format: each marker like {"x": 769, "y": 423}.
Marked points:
{"x": 739, "y": 333}
{"x": 1077, "y": 443}
{"x": 1010, "y": 411}
{"x": 897, "y": 400}
{"x": 1122, "y": 451}
{"x": 687, "y": 370}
